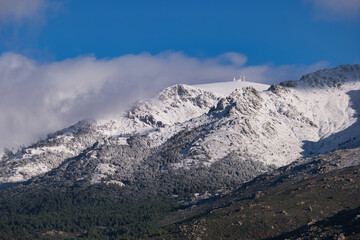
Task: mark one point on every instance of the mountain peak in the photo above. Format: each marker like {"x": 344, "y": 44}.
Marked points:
{"x": 177, "y": 103}
{"x": 213, "y": 121}
{"x": 333, "y": 77}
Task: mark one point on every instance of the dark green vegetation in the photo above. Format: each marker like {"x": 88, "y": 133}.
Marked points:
{"x": 63, "y": 199}
{"x": 97, "y": 212}
{"x": 323, "y": 206}
{"x": 315, "y": 197}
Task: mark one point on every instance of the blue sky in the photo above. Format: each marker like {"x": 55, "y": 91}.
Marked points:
{"x": 278, "y": 32}
{"x": 64, "y": 61}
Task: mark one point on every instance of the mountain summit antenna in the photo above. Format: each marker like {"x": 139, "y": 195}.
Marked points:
{"x": 241, "y": 78}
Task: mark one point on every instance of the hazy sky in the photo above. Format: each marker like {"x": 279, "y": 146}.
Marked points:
{"x": 63, "y": 61}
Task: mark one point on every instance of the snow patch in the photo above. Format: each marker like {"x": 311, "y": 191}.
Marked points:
{"x": 102, "y": 172}
{"x": 224, "y": 89}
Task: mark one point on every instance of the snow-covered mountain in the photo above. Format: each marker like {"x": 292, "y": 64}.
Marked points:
{"x": 238, "y": 129}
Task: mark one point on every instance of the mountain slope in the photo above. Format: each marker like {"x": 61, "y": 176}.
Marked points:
{"x": 299, "y": 198}
{"x": 188, "y": 151}
{"x": 267, "y": 128}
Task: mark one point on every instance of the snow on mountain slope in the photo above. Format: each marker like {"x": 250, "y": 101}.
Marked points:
{"x": 175, "y": 104}
{"x": 334, "y": 77}
{"x": 282, "y": 124}
{"x": 319, "y": 113}
{"x": 275, "y": 126}
{"x": 224, "y": 89}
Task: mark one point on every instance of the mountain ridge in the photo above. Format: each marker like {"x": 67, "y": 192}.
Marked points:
{"x": 240, "y": 123}
{"x": 190, "y": 153}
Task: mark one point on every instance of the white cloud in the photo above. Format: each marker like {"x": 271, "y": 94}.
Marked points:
{"x": 232, "y": 58}
{"x": 36, "y": 99}
{"x": 335, "y": 9}
{"x": 14, "y": 10}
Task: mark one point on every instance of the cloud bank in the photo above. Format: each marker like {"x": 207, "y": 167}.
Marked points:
{"x": 36, "y": 99}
